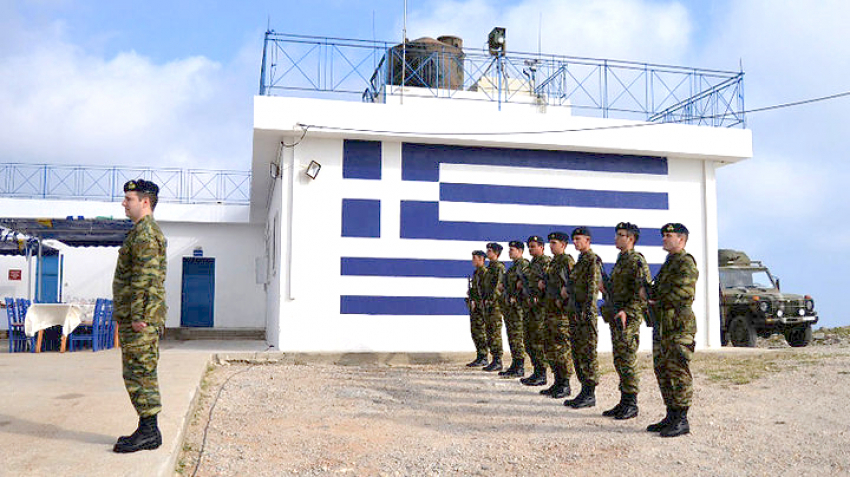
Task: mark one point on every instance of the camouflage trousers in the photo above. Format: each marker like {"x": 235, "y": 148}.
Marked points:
{"x": 671, "y": 358}
{"x": 625, "y": 343}
{"x": 514, "y": 313}
{"x": 533, "y": 326}
{"x": 585, "y": 336}
{"x": 478, "y": 331}
{"x": 556, "y": 343}
{"x": 139, "y": 358}
{"x": 493, "y": 326}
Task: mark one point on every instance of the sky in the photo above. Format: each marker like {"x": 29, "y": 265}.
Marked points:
{"x": 170, "y": 83}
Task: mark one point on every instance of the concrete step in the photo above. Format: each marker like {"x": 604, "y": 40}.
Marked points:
{"x": 184, "y": 334}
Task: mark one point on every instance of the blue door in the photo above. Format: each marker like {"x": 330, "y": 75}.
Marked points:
{"x": 50, "y": 271}
{"x": 198, "y": 292}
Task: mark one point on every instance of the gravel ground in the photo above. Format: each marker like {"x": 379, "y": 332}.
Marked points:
{"x": 787, "y": 417}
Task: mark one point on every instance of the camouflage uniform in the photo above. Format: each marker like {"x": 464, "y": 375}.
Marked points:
{"x": 138, "y": 291}
{"x": 476, "y": 315}
{"x": 583, "y": 313}
{"x": 627, "y": 279}
{"x": 515, "y": 310}
{"x": 493, "y": 289}
{"x": 535, "y": 315}
{"x": 673, "y": 344}
{"x": 557, "y": 327}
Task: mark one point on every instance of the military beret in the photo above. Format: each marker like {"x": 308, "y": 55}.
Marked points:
{"x": 581, "y": 231}
{"x": 494, "y": 247}
{"x": 479, "y": 253}
{"x": 561, "y": 236}
{"x": 675, "y": 228}
{"x": 535, "y": 238}
{"x": 516, "y": 244}
{"x": 629, "y": 227}
{"x": 141, "y": 185}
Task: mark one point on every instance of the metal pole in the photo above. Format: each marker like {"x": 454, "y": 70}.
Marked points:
{"x": 403, "y": 51}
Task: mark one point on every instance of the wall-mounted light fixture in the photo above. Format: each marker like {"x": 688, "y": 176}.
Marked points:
{"x": 313, "y": 169}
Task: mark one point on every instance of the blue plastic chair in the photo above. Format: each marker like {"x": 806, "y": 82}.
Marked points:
{"x": 16, "y": 312}
{"x": 105, "y": 327}
{"x": 85, "y": 334}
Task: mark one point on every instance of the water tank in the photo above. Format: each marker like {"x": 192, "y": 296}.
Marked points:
{"x": 430, "y": 63}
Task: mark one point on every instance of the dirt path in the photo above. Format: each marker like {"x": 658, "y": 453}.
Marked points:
{"x": 789, "y": 418}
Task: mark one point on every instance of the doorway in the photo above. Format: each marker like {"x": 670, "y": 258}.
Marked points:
{"x": 197, "y": 295}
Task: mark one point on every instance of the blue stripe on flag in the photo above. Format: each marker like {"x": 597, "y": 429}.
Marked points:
{"x": 500, "y": 194}
{"x": 421, "y": 162}
{"x": 401, "y": 305}
{"x": 420, "y": 220}
{"x": 403, "y": 267}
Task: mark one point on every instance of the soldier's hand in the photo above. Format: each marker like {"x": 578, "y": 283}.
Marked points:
{"x": 642, "y": 293}
{"x": 564, "y": 293}
{"x": 139, "y": 326}
{"x": 519, "y": 286}
{"x": 558, "y": 303}
{"x": 513, "y": 300}
{"x": 472, "y": 305}
{"x": 541, "y": 284}
{"x": 621, "y": 315}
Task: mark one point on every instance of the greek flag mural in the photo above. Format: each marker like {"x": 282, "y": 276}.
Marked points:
{"x": 408, "y": 245}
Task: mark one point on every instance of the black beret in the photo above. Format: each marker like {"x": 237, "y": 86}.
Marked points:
{"x": 516, "y": 244}
{"x": 675, "y": 228}
{"x": 581, "y": 231}
{"x": 561, "y": 236}
{"x": 629, "y": 227}
{"x": 535, "y": 238}
{"x": 141, "y": 185}
{"x": 494, "y": 247}
{"x": 479, "y": 253}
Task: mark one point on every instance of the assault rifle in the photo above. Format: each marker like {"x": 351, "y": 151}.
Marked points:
{"x": 606, "y": 290}
{"x": 525, "y": 289}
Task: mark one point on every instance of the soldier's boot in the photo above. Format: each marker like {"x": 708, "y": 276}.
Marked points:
{"x": 537, "y": 378}
{"x": 548, "y": 391}
{"x": 509, "y": 372}
{"x": 495, "y": 365}
{"x": 562, "y": 389}
{"x": 516, "y": 370}
{"x": 629, "y": 409}
{"x": 146, "y": 437}
{"x": 586, "y": 397}
{"x": 662, "y": 424}
{"x": 678, "y": 424}
{"x": 616, "y": 409}
{"x": 138, "y": 429}
{"x": 480, "y": 360}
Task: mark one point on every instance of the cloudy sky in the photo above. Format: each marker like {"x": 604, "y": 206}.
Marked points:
{"x": 170, "y": 83}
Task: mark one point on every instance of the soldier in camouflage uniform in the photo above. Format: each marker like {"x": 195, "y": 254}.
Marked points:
{"x": 535, "y": 314}
{"x": 516, "y": 284}
{"x": 671, "y": 298}
{"x": 138, "y": 291}
{"x": 583, "y": 314}
{"x": 494, "y": 287}
{"x": 474, "y": 300}
{"x": 557, "y": 325}
{"x": 624, "y": 309}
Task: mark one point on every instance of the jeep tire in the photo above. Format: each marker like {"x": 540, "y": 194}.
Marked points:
{"x": 798, "y": 336}
{"x": 741, "y": 332}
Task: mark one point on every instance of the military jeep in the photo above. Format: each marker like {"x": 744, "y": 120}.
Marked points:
{"x": 752, "y": 305}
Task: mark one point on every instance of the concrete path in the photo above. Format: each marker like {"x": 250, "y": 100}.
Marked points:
{"x": 60, "y": 414}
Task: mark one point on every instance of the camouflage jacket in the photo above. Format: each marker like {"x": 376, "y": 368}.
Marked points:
{"x": 586, "y": 277}
{"x": 476, "y": 285}
{"x": 554, "y": 282}
{"x": 138, "y": 287}
{"x": 673, "y": 290}
{"x": 514, "y": 279}
{"x": 627, "y": 278}
{"x": 537, "y": 271}
{"x": 494, "y": 282}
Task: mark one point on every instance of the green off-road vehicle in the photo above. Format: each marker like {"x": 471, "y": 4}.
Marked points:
{"x": 751, "y": 304}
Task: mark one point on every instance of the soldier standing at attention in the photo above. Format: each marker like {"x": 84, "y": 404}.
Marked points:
{"x": 516, "y": 282}
{"x": 493, "y": 288}
{"x": 671, "y": 299}
{"x": 583, "y": 313}
{"x": 138, "y": 291}
{"x": 624, "y": 314}
{"x": 557, "y": 327}
{"x": 535, "y": 311}
{"x": 474, "y": 300}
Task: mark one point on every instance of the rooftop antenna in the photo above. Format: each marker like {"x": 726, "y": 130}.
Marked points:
{"x": 540, "y": 35}
{"x": 403, "y": 51}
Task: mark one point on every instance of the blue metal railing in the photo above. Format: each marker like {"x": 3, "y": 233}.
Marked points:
{"x": 54, "y": 181}
{"x": 307, "y": 65}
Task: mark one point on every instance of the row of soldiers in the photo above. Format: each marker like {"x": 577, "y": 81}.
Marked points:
{"x": 549, "y": 307}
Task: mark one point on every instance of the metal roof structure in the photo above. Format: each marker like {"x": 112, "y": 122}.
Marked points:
{"x": 72, "y": 232}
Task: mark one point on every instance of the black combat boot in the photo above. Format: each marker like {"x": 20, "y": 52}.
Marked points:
{"x": 616, "y": 409}
{"x": 660, "y": 425}
{"x": 146, "y": 437}
{"x": 629, "y": 409}
{"x": 678, "y": 424}
{"x": 480, "y": 360}
{"x": 537, "y": 378}
{"x": 495, "y": 365}
{"x": 509, "y": 372}
{"x": 548, "y": 391}
{"x": 586, "y": 398}
{"x": 516, "y": 370}
{"x": 562, "y": 389}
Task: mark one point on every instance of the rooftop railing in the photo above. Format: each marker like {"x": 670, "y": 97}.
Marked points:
{"x": 363, "y": 69}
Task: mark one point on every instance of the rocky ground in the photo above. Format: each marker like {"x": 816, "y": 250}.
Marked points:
{"x": 769, "y": 411}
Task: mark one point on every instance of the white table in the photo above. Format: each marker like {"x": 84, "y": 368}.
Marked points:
{"x": 41, "y": 316}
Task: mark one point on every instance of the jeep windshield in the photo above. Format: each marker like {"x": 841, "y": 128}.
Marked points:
{"x": 746, "y": 279}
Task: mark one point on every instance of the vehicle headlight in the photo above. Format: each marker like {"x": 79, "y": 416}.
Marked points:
{"x": 810, "y": 305}
{"x": 764, "y": 306}
{"x": 801, "y": 312}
